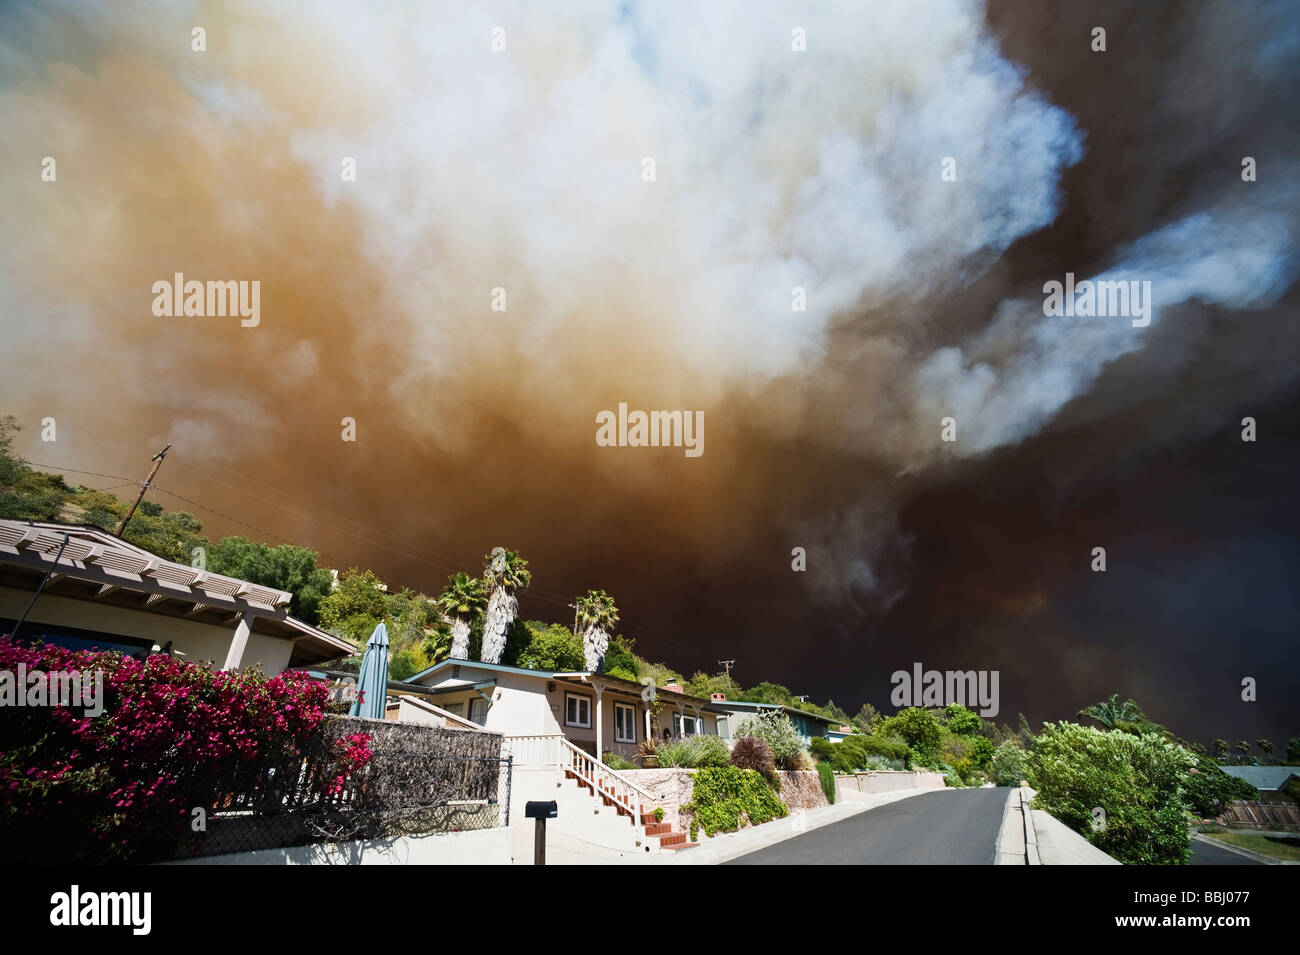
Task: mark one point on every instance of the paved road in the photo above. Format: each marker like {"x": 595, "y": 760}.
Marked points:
{"x": 1205, "y": 852}
{"x": 944, "y": 827}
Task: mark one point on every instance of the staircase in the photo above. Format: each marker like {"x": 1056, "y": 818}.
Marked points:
{"x": 596, "y": 803}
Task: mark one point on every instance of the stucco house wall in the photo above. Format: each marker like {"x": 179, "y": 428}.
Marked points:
{"x": 197, "y": 640}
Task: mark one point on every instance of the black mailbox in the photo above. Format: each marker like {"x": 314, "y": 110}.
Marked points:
{"x": 540, "y": 810}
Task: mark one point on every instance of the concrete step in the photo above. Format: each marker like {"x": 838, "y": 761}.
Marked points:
{"x": 674, "y": 840}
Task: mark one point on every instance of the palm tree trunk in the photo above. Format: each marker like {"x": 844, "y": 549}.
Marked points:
{"x": 595, "y": 642}
{"x": 502, "y": 609}
{"x": 459, "y": 639}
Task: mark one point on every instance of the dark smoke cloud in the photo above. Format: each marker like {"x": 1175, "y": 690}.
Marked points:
{"x": 774, "y": 170}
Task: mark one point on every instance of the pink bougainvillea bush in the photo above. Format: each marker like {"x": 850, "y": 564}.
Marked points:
{"x": 173, "y": 737}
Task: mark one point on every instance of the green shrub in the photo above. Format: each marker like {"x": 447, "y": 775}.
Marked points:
{"x": 919, "y": 728}
{"x": 854, "y": 753}
{"x": 659, "y": 813}
{"x": 708, "y": 751}
{"x": 1209, "y": 788}
{"x": 1009, "y": 764}
{"x": 617, "y": 762}
{"x": 673, "y": 753}
{"x": 1137, "y": 781}
{"x": 724, "y": 798}
{"x": 822, "y": 749}
{"x": 775, "y": 729}
{"x": 827, "y": 777}
{"x": 693, "y": 752}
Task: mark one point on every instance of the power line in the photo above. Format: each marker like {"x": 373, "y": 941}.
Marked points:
{"x": 532, "y": 593}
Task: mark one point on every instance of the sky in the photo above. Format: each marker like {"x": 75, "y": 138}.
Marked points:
{"x": 919, "y": 171}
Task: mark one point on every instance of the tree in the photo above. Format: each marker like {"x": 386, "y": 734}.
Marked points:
{"x": 505, "y": 572}
{"x": 1209, "y": 789}
{"x": 866, "y": 718}
{"x": 917, "y": 727}
{"x": 1265, "y": 747}
{"x": 24, "y": 491}
{"x": 705, "y": 685}
{"x": 771, "y": 693}
{"x": 1243, "y": 747}
{"x": 1221, "y": 745}
{"x": 1137, "y": 781}
{"x": 597, "y": 615}
{"x": 620, "y": 660}
{"x": 285, "y": 568}
{"x": 835, "y": 711}
{"x": 1293, "y": 750}
{"x": 355, "y": 607}
{"x": 960, "y": 720}
{"x": 461, "y": 601}
{"x": 553, "y": 647}
{"x": 1009, "y": 764}
{"x": 1109, "y": 712}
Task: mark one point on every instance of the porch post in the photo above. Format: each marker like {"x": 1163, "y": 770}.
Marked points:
{"x": 600, "y": 722}
{"x": 646, "y": 707}
{"x": 699, "y": 723}
{"x": 239, "y": 642}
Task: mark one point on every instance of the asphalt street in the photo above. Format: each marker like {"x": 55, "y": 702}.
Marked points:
{"x": 945, "y": 827}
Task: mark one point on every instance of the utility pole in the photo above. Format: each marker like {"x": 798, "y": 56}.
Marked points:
{"x": 157, "y": 463}
{"x": 727, "y": 665}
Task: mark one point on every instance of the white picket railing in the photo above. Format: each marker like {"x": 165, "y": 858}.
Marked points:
{"x": 536, "y": 750}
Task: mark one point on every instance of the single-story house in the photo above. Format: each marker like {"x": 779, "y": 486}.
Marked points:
{"x": 808, "y": 724}
{"x": 106, "y": 593}
{"x": 595, "y": 712}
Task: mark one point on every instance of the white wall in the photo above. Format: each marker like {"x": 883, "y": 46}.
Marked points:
{"x": 470, "y": 847}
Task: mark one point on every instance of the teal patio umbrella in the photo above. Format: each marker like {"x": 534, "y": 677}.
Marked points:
{"x": 372, "y": 683}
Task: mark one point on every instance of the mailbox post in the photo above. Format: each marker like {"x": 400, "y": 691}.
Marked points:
{"x": 540, "y": 811}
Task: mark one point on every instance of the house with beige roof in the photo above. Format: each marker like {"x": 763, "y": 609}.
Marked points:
{"x": 103, "y": 592}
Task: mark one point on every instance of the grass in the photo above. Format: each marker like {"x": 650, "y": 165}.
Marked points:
{"x": 1273, "y": 845}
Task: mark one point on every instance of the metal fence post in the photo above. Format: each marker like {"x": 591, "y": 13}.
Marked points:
{"x": 510, "y": 767}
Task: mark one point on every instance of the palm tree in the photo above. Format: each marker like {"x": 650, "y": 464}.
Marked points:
{"x": 1221, "y": 745}
{"x": 1267, "y": 747}
{"x": 1110, "y": 712}
{"x": 1243, "y": 746}
{"x": 504, "y": 572}
{"x": 461, "y": 600}
{"x": 597, "y": 615}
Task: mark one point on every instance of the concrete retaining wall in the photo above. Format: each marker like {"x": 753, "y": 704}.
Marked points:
{"x": 472, "y": 847}
{"x": 888, "y": 781}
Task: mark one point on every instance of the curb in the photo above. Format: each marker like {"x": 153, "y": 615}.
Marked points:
{"x": 1017, "y": 842}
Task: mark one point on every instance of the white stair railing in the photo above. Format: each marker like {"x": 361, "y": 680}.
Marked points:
{"x": 604, "y": 781}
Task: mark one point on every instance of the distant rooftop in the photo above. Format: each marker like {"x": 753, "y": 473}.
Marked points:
{"x": 1263, "y": 778}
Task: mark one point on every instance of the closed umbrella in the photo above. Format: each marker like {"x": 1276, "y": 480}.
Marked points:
{"x": 372, "y": 684}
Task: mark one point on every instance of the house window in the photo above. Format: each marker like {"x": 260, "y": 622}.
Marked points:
{"x": 458, "y": 707}
{"x": 478, "y": 711}
{"x": 722, "y": 727}
{"x": 577, "y": 710}
{"x": 685, "y": 725}
{"x": 624, "y": 723}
